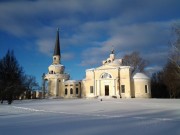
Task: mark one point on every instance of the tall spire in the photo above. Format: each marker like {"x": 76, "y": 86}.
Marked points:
{"x": 57, "y": 45}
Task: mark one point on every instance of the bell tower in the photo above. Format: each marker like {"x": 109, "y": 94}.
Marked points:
{"x": 57, "y": 52}
{"x": 56, "y": 76}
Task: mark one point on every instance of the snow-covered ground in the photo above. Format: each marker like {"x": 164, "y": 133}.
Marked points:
{"x": 91, "y": 117}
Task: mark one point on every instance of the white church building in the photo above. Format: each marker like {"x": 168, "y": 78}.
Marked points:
{"x": 111, "y": 79}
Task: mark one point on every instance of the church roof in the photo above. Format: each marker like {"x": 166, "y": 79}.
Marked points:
{"x": 57, "y": 45}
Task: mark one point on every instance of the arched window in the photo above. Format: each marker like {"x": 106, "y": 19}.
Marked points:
{"x": 66, "y": 91}
{"x": 106, "y": 75}
{"x": 71, "y": 91}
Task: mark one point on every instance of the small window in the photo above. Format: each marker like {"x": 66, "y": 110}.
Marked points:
{"x": 71, "y": 84}
{"x": 66, "y": 85}
{"x": 71, "y": 91}
{"x": 66, "y": 91}
{"x": 146, "y": 89}
{"x": 91, "y": 89}
{"x": 77, "y": 91}
{"x": 123, "y": 88}
{"x": 77, "y": 84}
{"x": 54, "y": 58}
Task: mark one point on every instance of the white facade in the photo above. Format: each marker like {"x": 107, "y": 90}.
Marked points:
{"x": 112, "y": 79}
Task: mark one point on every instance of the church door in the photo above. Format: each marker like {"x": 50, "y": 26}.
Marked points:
{"x": 106, "y": 90}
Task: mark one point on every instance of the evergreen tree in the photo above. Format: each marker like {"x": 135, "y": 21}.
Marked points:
{"x": 11, "y": 78}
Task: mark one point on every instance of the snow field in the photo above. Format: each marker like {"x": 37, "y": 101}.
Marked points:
{"x": 91, "y": 116}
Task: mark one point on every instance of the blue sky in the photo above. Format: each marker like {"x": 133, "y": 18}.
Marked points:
{"x": 88, "y": 30}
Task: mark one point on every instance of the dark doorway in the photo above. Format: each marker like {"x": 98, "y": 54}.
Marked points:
{"x": 106, "y": 90}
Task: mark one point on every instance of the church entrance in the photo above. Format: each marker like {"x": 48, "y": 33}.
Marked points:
{"x": 106, "y": 90}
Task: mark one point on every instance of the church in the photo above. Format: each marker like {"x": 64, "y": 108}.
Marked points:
{"x": 112, "y": 79}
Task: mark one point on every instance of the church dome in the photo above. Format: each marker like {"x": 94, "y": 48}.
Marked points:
{"x": 140, "y": 76}
{"x": 56, "y": 69}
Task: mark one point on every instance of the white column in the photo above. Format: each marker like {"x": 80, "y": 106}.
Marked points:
{"x": 99, "y": 87}
{"x": 55, "y": 87}
{"x": 96, "y": 87}
{"x": 48, "y": 88}
{"x": 114, "y": 86}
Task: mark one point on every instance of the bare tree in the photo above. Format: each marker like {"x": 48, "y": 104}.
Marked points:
{"x": 30, "y": 84}
{"x": 171, "y": 80}
{"x": 172, "y": 68}
{"x": 135, "y": 61}
{"x": 175, "y": 51}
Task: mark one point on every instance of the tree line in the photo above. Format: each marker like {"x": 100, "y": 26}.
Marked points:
{"x": 13, "y": 81}
{"x": 166, "y": 83}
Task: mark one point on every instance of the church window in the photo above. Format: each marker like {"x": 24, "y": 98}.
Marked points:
{"x": 71, "y": 91}
{"x": 146, "y": 89}
{"x": 77, "y": 91}
{"x": 123, "y": 88}
{"x": 71, "y": 84}
{"x": 66, "y": 85}
{"x": 105, "y": 76}
{"x": 91, "y": 89}
{"x": 66, "y": 91}
{"x": 109, "y": 61}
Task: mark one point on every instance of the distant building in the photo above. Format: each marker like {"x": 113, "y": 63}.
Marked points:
{"x": 112, "y": 79}
{"x": 31, "y": 95}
